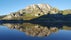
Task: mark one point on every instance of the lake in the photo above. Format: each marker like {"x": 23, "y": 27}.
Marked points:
{"x": 35, "y": 31}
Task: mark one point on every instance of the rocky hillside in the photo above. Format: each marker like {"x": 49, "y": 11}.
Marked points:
{"x": 67, "y": 11}
{"x": 32, "y": 11}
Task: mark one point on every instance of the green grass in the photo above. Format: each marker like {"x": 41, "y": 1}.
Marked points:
{"x": 28, "y": 17}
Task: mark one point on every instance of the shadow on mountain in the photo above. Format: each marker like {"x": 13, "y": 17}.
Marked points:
{"x": 58, "y": 20}
{"x": 53, "y": 18}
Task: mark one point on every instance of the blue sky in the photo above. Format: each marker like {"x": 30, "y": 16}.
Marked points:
{"x": 7, "y": 6}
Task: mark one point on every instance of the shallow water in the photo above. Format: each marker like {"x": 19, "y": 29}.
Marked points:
{"x": 30, "y": 31}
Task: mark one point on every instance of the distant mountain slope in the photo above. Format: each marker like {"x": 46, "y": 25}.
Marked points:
{"x": 33, "y": 11}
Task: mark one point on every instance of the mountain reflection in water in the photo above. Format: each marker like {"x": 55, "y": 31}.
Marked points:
{"x": 35, "y": 29}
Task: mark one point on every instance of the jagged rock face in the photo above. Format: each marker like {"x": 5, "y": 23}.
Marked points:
{"x": 14, "y": 15}
{"x": 39, "y": 9}
{"x": 35, "y": 10}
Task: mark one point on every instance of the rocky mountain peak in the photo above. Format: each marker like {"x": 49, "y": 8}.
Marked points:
{"x": 38, "y": 9}
{"x": 32, "y": 11}
{"x": 41, "y": 6}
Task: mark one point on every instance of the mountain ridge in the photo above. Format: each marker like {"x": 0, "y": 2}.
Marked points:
{"x": 32, "y": 11}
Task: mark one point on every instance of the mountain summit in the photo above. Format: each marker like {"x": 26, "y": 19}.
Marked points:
{"x": 38, "y": 9}
{"x": 31, "y": 12}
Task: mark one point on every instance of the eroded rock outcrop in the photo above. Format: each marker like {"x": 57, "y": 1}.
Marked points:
{"x": 32, "y": 11}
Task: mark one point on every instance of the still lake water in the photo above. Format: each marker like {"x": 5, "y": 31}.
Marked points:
{"x": 30, "y": 31}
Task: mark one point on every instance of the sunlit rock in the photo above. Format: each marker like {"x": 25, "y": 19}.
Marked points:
{"x": 31, "y": 12}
